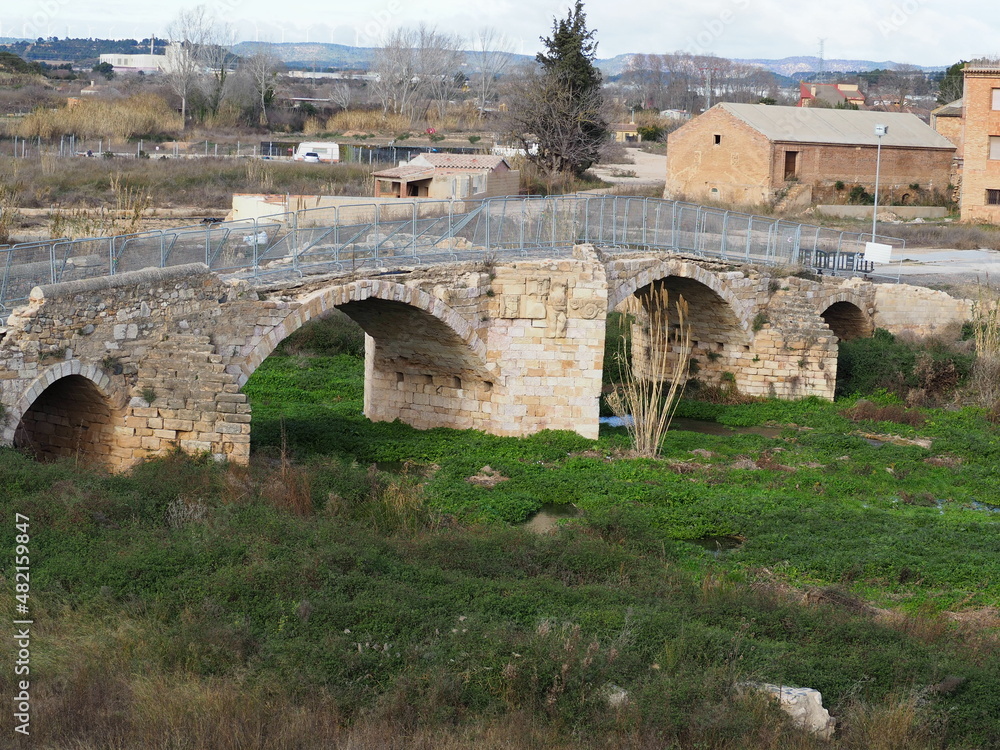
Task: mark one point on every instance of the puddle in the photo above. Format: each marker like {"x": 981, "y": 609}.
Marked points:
{"x": 717, "y": 546}
{"x": 700, "y": 425}
{"x": 714, "y": 428}
{"x": 549, "y": 515}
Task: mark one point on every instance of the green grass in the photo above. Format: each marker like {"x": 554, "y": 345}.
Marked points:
{"x": 395, "y": 605}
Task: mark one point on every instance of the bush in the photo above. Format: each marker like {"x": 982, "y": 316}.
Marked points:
{"x": 860, "y": 196}
{"x": 887, "y": 363}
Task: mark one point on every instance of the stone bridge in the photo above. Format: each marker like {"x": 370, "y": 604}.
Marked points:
{"x": 120, "y": 368}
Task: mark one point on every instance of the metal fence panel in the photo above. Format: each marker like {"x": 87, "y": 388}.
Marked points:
{"x": 345, "y": 236}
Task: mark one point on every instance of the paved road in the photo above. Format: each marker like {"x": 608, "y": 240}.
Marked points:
{"x": 944, "y": 267}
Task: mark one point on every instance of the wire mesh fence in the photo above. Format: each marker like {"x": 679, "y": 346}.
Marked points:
{"x": 379, "y": 235}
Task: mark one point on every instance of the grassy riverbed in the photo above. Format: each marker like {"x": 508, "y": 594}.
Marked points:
{"x": 312, "y": 600}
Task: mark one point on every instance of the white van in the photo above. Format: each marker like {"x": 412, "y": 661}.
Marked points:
{"x": 326, "y": 151}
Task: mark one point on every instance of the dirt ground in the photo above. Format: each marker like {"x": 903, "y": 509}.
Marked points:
{"x": 649, "y": 169}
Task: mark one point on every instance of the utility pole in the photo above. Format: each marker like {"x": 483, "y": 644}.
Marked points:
{"x": 880, "y": 130}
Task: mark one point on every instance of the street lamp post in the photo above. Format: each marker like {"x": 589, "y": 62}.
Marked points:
{"x": 880, "y": 130}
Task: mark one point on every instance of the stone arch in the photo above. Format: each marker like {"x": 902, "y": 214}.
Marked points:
{"x": 680, "y": 269}
{"x": 720, "y": 329}
{"x": 846, "y": 316}
{"x": 379, "y": 306}
{"x": 71, "y": 409}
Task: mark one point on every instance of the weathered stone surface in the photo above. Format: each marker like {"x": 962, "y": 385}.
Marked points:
{"x": 803, "y": 705}
{"x": 123, "y": 367}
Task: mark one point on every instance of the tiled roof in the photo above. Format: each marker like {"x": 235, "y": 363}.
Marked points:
{"x": 404, "y": 171}
{"x": 461, "y": 161}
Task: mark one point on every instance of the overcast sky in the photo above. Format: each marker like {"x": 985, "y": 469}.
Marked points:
{"x": 923, "y": 32}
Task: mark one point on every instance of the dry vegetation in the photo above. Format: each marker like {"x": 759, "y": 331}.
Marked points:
{"x": 141, "y": 115}
{"x": 651, "y": 401}
{"x": 79, "y": 182}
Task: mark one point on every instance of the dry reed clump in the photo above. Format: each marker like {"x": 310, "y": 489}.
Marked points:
{"x": 897, "y": 722}
{"x": 368, "y": 121}
{"x": 9, "y": 215}
{"x": 121, "y": 119}
{"x": 125, "y": 217}
{"x": 312, "y": 126}
{"x": 258, "y": 175}
{"x": 651, "y": 397}
{"x": 986, "y": 334}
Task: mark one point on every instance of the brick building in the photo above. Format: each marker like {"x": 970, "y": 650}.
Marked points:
{"x": 755, "y": 153}
{"x": 443, "y": 176}
{"x": 980, "y": 199}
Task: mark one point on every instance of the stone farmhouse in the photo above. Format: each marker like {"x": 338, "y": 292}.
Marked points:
{"x": 444, "y": 176}
{"x": 756, "y": 153}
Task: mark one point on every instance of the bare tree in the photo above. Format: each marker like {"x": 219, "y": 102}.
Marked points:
{"x": 416, "y": 69}
{"x": 439, "y": 62}
{"x": 492, "y": 57}
{"x": 261, "y": 69}
{"x": 395, "y": 70}
{"x": 342, "y": 94}
{"x": 189, "y": 33}
{"x": 216, "y": 61}
{"x": 553, "y": 122}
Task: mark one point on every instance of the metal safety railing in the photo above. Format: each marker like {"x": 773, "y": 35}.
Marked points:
{"x": 398, "y": 234}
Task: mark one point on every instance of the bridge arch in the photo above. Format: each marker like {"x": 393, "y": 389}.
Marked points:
{"x": 440, "y": 337}
{"x": 721, "y": 328}
{"x": 71, "y": 409}
{"x": 846, "y": 315}
{"x": 699, "y": 282}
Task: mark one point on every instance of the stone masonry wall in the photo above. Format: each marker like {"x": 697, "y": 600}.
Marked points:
{"x": 916, "y": 310}
{"x": 738, "y": 167}
{"x": 121, "y": 368}
{"x": 139, "y": 340}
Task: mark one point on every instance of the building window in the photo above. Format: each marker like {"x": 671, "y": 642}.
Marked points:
{"x": 718, "y": 139}
{"x": 995, "y": 146}
{"x": 993, "y": 197}
{"x": 996, "y": 99}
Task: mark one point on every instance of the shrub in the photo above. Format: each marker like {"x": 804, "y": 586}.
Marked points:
{"x": 885, "y": 362}
{"x": 860, "y": 196}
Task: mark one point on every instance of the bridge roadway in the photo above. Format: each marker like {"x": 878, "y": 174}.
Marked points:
{"x": 117, "y": 368}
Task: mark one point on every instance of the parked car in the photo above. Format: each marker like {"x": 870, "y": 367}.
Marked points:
{"x": 311, "y": 156}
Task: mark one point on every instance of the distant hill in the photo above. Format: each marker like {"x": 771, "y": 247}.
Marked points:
{"x": 793, "y": 66}
{"x": 312, "y": 54}
{"x": 789, "y": 67}
{"x": 308, "y": 55}
{"x": 321, "y": 55}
